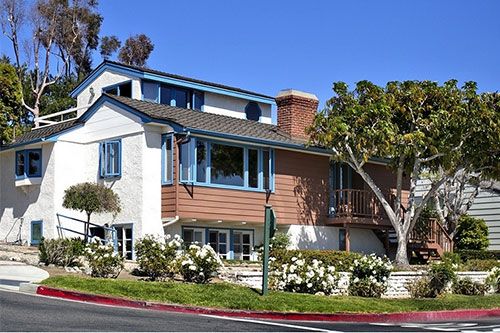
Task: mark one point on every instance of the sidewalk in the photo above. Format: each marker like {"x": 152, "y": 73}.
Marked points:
{"x": 13, "y": 273}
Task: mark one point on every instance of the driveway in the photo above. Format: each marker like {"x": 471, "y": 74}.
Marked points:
{"x": 13, "y": 273}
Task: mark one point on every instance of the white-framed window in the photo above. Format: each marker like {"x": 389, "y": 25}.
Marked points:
{"x": 167, "y": 159}
{"x": 220, "y": 242}
{"x": 242, "y": 244}
{"x": 110, "y": 158}
{"x": 193, "y": 236}
{"x": 124, "y": 234}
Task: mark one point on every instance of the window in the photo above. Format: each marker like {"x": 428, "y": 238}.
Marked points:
{"x": 29, "y": 163}
{"x": 219, "y": 241}
{"x": 242, "y": 243}
{"x": 110, "y": 159}
{"x": 172, "y": 95}
{"x": 36, "y": 232}
{"x": 342, "y": 239}
{"x": 205, "y": 162}
{"x": 168, "y": 159}
{"x": 122, "y": 89}
{"x": 125, "y": 241}
{"x": 192, "y": 235}
{"x": 226, "y": 165}
{"x": 253, "y": 111}
{"x": 150, "y": 91}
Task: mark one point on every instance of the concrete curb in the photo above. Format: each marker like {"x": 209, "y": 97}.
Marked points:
{"x": 28, "y": 287}
{"x": 423, "y": 316}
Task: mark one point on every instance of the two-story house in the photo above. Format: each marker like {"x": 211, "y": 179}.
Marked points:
{"x": 188, "y": 157}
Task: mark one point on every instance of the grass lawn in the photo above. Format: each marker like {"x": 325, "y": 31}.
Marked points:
{"x": 224, "y": 295}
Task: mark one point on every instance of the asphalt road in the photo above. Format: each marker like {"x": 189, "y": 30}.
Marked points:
{"x": 22, "y": 312}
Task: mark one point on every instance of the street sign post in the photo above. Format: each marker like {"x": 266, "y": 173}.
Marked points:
{"x": 269, "y": 230}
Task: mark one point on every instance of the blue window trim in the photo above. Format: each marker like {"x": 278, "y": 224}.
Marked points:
{"x": 103, "y": 156}
{"x": 231, "y": 236}
{"x": 117, "y": 85}
{"x": 33, "y": 223}
{"x": 191, "y": 179}
{"x": 164, "y": 139}
{"x": 25, "y": 175}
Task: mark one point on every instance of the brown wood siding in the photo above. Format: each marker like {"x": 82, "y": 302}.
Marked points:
{"x": 300, "y": 197}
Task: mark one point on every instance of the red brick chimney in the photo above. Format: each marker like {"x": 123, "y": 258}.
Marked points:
{"x": 296, "y": 111}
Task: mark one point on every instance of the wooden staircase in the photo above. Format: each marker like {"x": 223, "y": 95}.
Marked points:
{"x": 429, "y": 242}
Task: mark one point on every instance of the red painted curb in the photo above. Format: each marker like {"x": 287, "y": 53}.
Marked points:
{"x": 336, "y": 317}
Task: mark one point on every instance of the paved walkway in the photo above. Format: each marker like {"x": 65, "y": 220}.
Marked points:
{"x": 13, "y": 273}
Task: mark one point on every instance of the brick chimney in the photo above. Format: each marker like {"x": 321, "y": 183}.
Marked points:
{"x": 296, "y": 111}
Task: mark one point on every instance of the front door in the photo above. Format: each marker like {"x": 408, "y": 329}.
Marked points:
{"x": 219, "y": 241}
{"x": 242, "y": 245}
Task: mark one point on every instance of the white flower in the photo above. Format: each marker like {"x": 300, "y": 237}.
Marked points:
{"x": 192, "y": 267}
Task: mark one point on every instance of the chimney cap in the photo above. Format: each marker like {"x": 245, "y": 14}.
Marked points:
{"x": 298, "y": 93}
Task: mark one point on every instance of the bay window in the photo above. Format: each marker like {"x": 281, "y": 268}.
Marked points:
{"x": 204, "y": 162}
{"x": 28, "y": 163}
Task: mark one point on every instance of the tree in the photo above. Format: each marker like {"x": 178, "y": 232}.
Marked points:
{"x": 11, "y": 108}
{"x": 91, "y": 198}
{"x": 478, "y": 165}
{"x": 472, "y": 234}
{"x": 109, "y": 45}
{"x": 136, "y": 50}
{"x": 415, "y": 125}
{"x": 62, "y": 31}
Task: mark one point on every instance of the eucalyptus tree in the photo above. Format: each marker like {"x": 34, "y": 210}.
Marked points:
{"x": 414, "y": 125}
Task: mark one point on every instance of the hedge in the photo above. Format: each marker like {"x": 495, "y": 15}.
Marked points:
{"x": 340, "y": 259}
{"x": 466, "y": 255}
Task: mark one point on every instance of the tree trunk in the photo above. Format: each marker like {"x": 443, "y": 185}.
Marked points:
{"x": 87, "y": 228}
{"x": 401, "y": 259}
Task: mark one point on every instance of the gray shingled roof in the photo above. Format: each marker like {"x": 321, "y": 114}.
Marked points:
{"x": 209, "y": 122}
{"x": 42, "y": 133}
{"x": 205, "y": 122}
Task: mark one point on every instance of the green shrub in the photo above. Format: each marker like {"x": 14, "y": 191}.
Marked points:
{"x": 471, "y": 234}
{"x": 466, "y": 255}
{"x": 421, "y": 288}
{"x": 280, "y": 241}
{"x": 199, "y": 264}
{"x": 481, "y": 265}
{"x": 61, "y": 252}
{"x": 441, "y": 275}
{"x": 157, "y": 257}
{"x": 341, "y": 260}
{"x": 451, "y": 258}
{"x": 466, "y": 286}
{"x": 103, "y": 261}
{"x": 369, "y": 276}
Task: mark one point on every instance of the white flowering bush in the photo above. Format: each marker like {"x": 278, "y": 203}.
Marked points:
{"x": 157, "y": 257}
{"x": 103, "y": 261}
{"x": 369, "y": 276}
{"x": 300, "y": 277}
{"x": 199, "y": 263}
{"x": 493, "y": 279}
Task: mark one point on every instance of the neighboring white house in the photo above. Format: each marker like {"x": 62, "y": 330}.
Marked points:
{"x": 485, "y": 206}
{"x": 185, "y": 156}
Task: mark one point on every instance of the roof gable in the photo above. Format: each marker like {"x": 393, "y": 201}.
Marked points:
{"x": 173, "y": 79}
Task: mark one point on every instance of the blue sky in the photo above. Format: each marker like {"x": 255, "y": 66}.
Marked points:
{"x": 267, "y": 46}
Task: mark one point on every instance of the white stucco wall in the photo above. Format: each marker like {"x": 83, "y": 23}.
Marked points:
{"x": 233, "y": 107}
{"x": 327, "y": 238}
{"x": 107, "y": 78}
{"x": 73, "y": 159}
{"x": 30, "y": 203}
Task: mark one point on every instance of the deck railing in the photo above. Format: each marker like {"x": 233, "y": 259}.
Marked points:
{"x": 431, "y": 232}
{"x": 356, "y": 203}
{"x": 61, "y": 116}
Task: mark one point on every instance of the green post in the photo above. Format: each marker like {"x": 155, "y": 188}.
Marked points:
{"x": 269, "y": 226}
